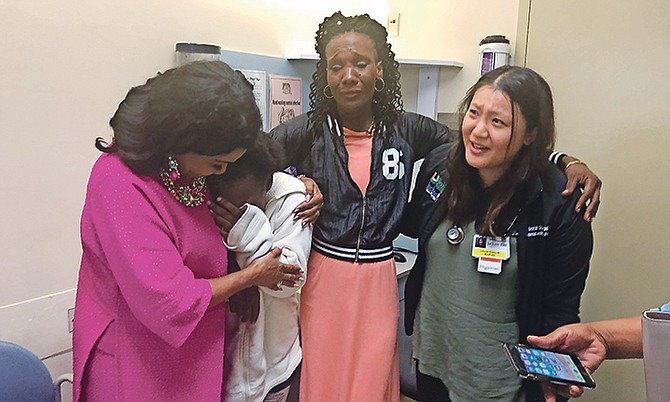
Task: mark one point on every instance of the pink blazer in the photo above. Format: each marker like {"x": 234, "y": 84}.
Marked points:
{"x": 142, "y": 331}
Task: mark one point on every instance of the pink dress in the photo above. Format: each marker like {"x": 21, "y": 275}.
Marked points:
{"x": 142, "y": 331}
{"x": 349, "y": 317}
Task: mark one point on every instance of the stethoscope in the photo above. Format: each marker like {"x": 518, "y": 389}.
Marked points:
{"x": 455, "y": 234}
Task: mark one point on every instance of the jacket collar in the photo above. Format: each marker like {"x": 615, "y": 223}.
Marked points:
{"x": 336, "y": 128}
{"x": 527, "y": 194}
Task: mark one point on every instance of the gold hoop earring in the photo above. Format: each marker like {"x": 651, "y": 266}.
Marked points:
{"x": 383, "y": 85}
{"x": 325, "y": 93}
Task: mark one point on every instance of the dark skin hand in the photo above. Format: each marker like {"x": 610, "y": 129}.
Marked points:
{"x": 226, "y": 214}
{"x": 292, "y": 274}
{"x": 266, "y": 271}
{"x": 309, "y": 210}
{"x": 580, "y": 176}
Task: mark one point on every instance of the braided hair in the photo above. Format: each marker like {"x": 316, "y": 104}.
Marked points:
{"x": 387, "y": 103}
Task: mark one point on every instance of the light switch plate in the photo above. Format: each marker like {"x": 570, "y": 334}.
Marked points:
{"x": 393, "y": 24}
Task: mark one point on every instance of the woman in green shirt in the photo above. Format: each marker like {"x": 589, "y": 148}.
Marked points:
{"x": 502, "y": 253}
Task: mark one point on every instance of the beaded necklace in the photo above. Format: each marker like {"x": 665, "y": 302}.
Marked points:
{"x": 192, "y": 195}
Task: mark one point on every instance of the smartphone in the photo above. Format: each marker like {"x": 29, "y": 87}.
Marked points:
{"x": 547, "y": 365}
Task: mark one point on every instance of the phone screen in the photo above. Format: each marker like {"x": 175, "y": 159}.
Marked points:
{"x": 551, "y": 364}
{"x": 538, "y": 363}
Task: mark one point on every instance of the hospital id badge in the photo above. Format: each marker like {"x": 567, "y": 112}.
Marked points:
{"x": 488, "y": 265}
{"x": 492, "y": 247}
{"x": 490, "y": 252}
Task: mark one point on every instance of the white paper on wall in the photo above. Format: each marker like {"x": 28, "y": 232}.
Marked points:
{"x": 285, "y": 99}
{"x": 259, "y": 80}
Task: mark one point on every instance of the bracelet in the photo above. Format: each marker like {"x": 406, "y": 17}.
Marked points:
{"x": 577, "y": 162}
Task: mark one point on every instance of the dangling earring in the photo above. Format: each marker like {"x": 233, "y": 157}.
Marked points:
{"x": 173, "y": 169}
{"x": 325, "y": 92}
{"x": 383, "y": 85}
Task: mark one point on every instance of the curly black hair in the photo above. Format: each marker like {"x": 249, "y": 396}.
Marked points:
{"x": 262, "y": 159}
{"x": 203, "y": 107}
{"x": 386, "y": 104}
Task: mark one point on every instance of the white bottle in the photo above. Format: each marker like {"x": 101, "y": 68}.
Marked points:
{"x": 494, "y": 51}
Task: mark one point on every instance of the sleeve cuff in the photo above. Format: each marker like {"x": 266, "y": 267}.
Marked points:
{"x": 557, "y": 158}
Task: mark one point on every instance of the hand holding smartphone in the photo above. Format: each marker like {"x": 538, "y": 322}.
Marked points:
{"x": 547, "y": 365}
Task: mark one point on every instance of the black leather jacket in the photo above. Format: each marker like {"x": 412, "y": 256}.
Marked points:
{"x": 354, "y": 227}
{"x": 554, "y": 246}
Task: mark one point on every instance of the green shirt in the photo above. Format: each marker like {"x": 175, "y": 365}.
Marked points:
{"x": 463, "y": 318}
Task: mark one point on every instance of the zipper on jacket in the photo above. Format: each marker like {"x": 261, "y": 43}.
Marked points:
{"x": 360, "y": 231}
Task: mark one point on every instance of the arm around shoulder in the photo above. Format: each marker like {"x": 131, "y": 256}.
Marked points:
{"x": 423, "y": 133}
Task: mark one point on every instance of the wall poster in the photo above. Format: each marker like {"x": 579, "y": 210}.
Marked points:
{"x": 259, "y": 80}
{"x": 285, "y": 98}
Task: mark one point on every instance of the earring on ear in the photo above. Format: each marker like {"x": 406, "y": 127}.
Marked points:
{"x": 325, "y": 92}
{"x": 377, "y": 89}
{"x": 173, "y": 169}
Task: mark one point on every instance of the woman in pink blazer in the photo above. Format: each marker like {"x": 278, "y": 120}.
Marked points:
{"x": 150, "y": 313}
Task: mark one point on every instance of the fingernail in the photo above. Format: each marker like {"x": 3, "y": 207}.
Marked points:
{"x": 308, "y": 197}
{"x": 218, "y": 199}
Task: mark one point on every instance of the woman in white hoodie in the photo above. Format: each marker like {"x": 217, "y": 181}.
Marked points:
{"x": 261, "y": 356}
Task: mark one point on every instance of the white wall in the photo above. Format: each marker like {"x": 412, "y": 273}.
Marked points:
{"x": 450, "y": 30}
{"x": 66, "y": 65}
{"x": 607, "y": 63}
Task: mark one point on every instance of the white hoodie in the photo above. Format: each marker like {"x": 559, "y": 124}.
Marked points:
{"x": 262, "y": 355}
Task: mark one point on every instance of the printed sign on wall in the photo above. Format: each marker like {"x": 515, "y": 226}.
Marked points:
{"x": 258, "y": 79}
{"x": 285, "y": 99}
